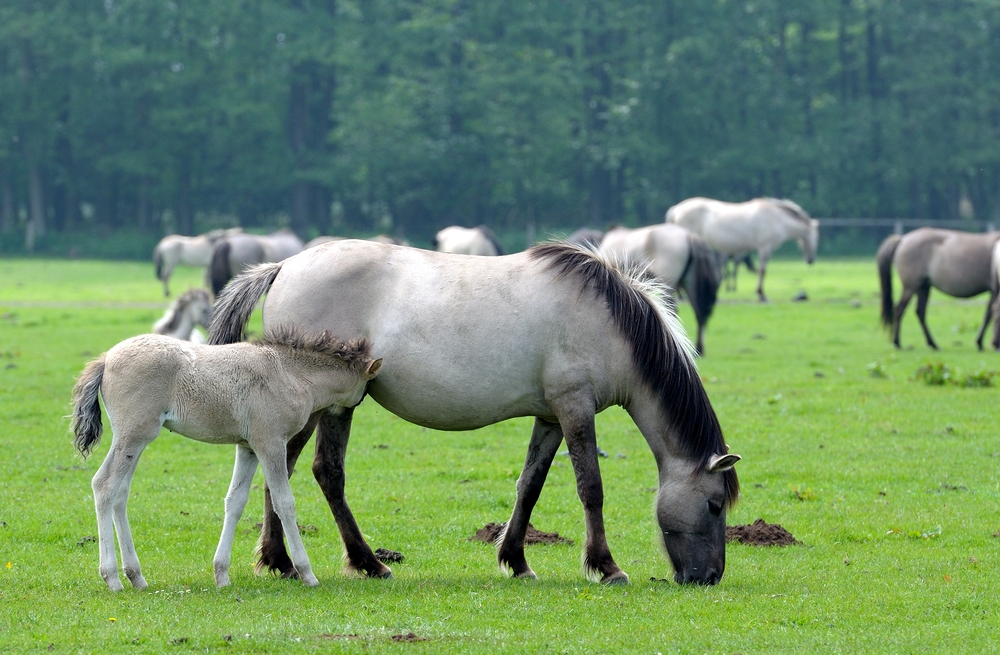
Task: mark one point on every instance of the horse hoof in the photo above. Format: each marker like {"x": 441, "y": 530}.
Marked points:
{"x": 310, "y": 581}
{"x": 619, "y": 577}
{"x": 139, "y": 583}
{"x": 526, "y": 575}
{"x": 382, "y": 575}
{"x": 114, "y": 584}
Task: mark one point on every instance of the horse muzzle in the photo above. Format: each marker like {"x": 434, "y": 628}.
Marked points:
{"x": 708, "y": 576}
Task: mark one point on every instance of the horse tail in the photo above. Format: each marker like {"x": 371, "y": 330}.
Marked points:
{"x": 701, "y": 278}
{"x": 492, "y": 238}
{"x": 237, "y": 301}
{"x": 883, "y": 259}
{"x": 218, "y": 267}
{"x": 87, "y": 425}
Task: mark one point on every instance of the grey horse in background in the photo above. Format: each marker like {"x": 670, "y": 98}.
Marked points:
{"x": 234, "y": 253}
{"x": 468, "y": 241}
{"x": 955, "y": 262}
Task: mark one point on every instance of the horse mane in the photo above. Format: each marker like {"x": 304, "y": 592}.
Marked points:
{"x": 492, "y": 238}
{"x": 660, "y": 351}
{"x": 171, "y": 319}
{"x": 354, "y": 353}
{"x": 791, "y": 208}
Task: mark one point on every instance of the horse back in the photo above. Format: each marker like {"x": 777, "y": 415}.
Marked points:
{"x": 466, "y": 341}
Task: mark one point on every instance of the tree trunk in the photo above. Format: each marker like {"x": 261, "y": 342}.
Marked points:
{"x": 6, "y": 201}
{"x": 185, "y": 213}
{"x": 36, "y": 198}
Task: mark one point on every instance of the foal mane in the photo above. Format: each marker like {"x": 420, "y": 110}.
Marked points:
{"x": 660, "y": 350}
{"x": 354, "y": 353}
{"x": 791, "y": 208}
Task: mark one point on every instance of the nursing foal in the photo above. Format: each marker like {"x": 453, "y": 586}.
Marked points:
{"x": 255, "y": 395}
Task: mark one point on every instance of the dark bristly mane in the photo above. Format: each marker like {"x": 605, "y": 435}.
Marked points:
{"x": 791, "y": 208}
{"x": 661, "y": 360}
{"x": 353, "y": 353}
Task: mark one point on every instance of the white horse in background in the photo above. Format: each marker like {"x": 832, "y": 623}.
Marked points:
{"x": 468, "y": 241}
{"x": 175, "y": 249}
{"x": 192, "y": 309}
{"x": 254, "y": 395}
{"x": 677, "y": 258}
{"x": 762, "y": 224}
{"x": 234, "y": 253}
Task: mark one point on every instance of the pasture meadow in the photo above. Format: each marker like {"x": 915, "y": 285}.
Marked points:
{"x": 890, "y": 483}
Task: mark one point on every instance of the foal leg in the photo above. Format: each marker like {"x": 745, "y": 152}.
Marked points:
{"x": 576, "y": 416}
{"x": 923, "y": 293}
{"x": 328, "y": 468}
{"x": 130, "y": 560}
{"x": 275, "y": 467}
{"x": 271, "y": 548}
{"x": 545, "y": 440}
{"x": 236, "y": 501}
{"x": 986, "y": 320}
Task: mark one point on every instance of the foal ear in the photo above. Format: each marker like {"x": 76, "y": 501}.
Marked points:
{"x": 373, "y": 368}
{"x": 720, "y": 463}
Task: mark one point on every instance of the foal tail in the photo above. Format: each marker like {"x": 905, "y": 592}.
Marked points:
{"x": 87, "y": 426}
{"x": 218, "y": 267}
{"x": 237, "y": 301}
{"x": 701, "y": 279}
{"x": 883, "y": 258}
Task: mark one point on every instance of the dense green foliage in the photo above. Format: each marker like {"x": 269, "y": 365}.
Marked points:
{"x": 891, "y": 484}
{"x": 364, "y": 116}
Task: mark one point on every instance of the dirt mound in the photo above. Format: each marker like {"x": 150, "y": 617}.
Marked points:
{"x": 409, "y": 636}
{"x": 387, "y": 556}
{"x": 760, "y": 533}
{"x": 489, "y": 533}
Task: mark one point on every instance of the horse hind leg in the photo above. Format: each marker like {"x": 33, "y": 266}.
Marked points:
{"x": 328, "y": 468}
{"x": 271, "y": 552}
{"x": 576, "y": 416}
{"x": 897, "y": 315}
{"x": 923, "y": 293}
{"x": 545, "y": 440}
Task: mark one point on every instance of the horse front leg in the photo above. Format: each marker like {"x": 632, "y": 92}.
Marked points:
{"x": 271, "y": 552}
{"x": 236, "y": 502}
{"x": 273, "y": 461}
{"x": 328, "y": 468}
{"x": 763, "y": 257}
{"x": 545, "y": 440}
{"x": 576, "y": 416}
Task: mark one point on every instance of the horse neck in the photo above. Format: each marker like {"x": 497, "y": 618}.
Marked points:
{"x": 185, "y": 326}
{"x": 659, "y": 431}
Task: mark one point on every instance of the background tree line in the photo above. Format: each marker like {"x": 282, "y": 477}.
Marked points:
{"x": 139, "y": 117}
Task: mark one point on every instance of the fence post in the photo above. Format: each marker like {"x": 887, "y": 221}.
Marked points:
{"x": 897, "y": 227}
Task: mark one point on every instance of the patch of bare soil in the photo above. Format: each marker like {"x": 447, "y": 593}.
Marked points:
{"x": 387, "y": 556}
{"x": 760, "y": 533}
{"x": 997, "y": 534}
{"x": 409, "y": 636}
{"x": 489, "y": 533}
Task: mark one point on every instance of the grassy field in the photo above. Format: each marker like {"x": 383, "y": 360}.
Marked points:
{"x": 891, "y": 484}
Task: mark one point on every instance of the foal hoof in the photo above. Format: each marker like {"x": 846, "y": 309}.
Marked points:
{"x": 616, "y": 578}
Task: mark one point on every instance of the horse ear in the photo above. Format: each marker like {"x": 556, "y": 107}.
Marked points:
{"x": 720, "y": 463}
{"x": 373, "y": 368}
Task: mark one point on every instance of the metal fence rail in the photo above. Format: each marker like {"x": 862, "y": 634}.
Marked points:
{"x": 899, "y": 225}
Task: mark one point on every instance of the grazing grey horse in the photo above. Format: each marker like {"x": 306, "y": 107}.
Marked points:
{"x": 556, "y": 332}
{"x": 678, "y": 258}
{"x": 957, "y": 263}
{"x": 256, "y": 396}
{"x": 192, "y": 309}
{"x": 762, "y": 224}
{"x": 468, "y": 241}
{"x": 175, "y": 249}
{"x": 234, "y": 253}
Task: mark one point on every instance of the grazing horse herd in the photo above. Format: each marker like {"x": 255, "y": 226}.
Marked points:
{"x": 559, "y": 332}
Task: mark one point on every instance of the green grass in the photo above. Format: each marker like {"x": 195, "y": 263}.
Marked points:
{"x": 891, "y": 484}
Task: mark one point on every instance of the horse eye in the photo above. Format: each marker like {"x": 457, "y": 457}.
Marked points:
{"x": 714, "y": 509}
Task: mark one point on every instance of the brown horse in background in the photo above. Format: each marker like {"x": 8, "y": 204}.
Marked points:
{"x": 955, "y": 262}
